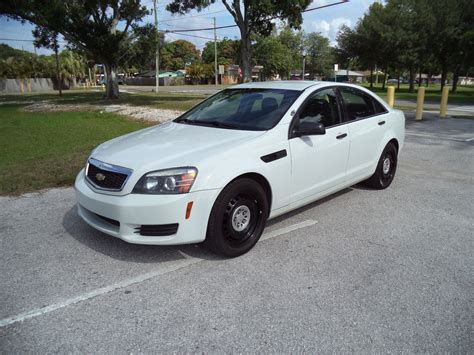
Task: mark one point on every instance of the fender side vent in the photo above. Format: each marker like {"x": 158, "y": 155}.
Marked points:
{"x": 274, "y": 156}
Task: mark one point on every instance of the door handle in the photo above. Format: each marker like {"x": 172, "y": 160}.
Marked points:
{"x": 341, "y": 136}
{"x": 381, "y": 123}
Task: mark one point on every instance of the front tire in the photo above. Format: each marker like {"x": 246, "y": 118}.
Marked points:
{"x": 386, "y": 168}
{"x": 237, "y": 219}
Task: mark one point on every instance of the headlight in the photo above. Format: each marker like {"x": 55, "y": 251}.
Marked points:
{"x": 170, "y": 181}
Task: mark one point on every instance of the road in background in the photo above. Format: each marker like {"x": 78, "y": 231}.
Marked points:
{"x": 196, "y": 89}
{"x": 363, "y": 270}
{"x": 407, "y": 105}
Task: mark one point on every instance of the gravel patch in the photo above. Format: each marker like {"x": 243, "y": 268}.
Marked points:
{"x": 144, "y": 113}
{"x": 134, "y": 112}
{"x": 45, "y": 106}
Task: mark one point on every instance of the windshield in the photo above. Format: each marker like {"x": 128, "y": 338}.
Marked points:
{"x": 245, "y": 109}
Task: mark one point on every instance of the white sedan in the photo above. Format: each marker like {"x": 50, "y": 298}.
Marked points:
{"x": 249, "y": 153}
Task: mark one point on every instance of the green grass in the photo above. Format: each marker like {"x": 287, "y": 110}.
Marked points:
{"x": 165, "y": 100}
{"x": 464, "y": 94}
{"x": 42, "y": 150}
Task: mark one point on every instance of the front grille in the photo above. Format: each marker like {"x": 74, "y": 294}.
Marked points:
{"x": 157, "y": 230}
{"x": 106, "y": 176}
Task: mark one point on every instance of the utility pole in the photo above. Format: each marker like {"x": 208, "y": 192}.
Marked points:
{"x": 157, "y": 51}
{"x": 304, "y": 62}
{"x": 216, "y": 73}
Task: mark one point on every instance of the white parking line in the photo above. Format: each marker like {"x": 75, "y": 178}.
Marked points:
{"x": 285, "y": 230}
{"x": 98, "y": 292}
{"x": 165, "y": 268}
{"x": 432, "y": 136}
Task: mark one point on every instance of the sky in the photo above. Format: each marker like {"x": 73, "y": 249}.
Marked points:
{"x": 326, "y": 21}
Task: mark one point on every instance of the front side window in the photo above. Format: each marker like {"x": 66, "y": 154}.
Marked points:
{"x": 321, "y": 107}
{"x": 246, "y": 109}
{"x": 358, "y": 104}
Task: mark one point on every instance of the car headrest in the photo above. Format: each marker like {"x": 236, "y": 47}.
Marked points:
{"x": 269, "y": 104}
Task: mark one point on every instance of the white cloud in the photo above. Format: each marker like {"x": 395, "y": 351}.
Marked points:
{"x": 329, "y": 29}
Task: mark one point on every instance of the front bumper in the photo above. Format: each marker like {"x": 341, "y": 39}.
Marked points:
{"x": 134, "y": 210}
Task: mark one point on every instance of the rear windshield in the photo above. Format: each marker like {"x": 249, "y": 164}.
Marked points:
{"x": 245, "y": 109}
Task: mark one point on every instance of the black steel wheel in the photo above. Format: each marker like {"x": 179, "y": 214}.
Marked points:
{"x": 238, "y": 218}
{"x": 386, "y": 168}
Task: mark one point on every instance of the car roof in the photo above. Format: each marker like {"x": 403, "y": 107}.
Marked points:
{"x": 299, "y": 85}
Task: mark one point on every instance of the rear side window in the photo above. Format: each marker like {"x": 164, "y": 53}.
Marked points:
{"x": 358, "y": 104}
{"x": 379, "y": 108}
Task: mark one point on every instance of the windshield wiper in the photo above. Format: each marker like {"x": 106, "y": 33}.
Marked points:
{"x": 208, "y": 123}
{"x": 218, "y": 124}
{"x": 184, "y": 120}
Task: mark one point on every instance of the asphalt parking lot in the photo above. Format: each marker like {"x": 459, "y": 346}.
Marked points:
{"x": 363, "y": 270}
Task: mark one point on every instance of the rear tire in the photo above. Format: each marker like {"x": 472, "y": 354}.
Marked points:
{"x": 386, "y": 168}
{"x": 237, "y": 218}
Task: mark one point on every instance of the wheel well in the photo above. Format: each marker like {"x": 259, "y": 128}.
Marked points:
{"x": 260, "y": 179}
{"x": 395, "y": 142}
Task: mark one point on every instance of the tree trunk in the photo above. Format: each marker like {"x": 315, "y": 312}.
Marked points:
{"x": 384, "y": 78}
{"x": 412, "y": 80}
{"x": 420, "y": 79}
{"x": 246, "y": 55}
{"x": 112, "y": 89}
{"x": 455, "y": 79}
{"x": 444, "y": 74}
{"x": 398, "y": 80}
{"x": 58, "y": 77}
{"x": 371, "y": 77}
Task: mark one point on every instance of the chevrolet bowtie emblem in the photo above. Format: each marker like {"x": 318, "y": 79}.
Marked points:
{"x": 100, "y": 177}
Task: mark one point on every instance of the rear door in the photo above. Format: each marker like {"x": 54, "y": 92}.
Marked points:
{"x": 319, "y": 161}
{"x": 365, "y": 119}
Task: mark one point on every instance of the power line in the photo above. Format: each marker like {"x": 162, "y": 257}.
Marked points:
{"x": 196, "y": 29}
{"x": 22, "y": 40}
{"x": 171, "y": 26}
{"x": 323, "y": 6}
{"x": 187, "y": 35}
{"x": 229, "y": 26}
{"x": 201, "y": 15}
{"x": 201, "y": 29}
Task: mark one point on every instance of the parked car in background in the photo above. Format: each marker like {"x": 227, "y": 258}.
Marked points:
{"x": 249, "y": 153}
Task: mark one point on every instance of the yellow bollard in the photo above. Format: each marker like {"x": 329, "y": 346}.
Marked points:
{"x": 103, "y": 87}
{"x": 419, "y": 103}
{"x": 391, "y": 96}
{"x": 444, "y": 102}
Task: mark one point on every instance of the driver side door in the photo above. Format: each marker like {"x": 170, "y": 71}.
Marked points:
{"x": 319, "y": 161}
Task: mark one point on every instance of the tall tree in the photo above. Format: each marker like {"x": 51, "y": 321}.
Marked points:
{"x": 294, "y": 40}
{"x": 274, "y": 56}
{"x": 98, "y": 27}
{"x": 49, "y": 39}
{"x": 176, "y": 54}
{"x": 227, "y": 52}
{"x": 140, "y": 55}
{"x": 319, "y": 55}
{"x": 252, "y": 17}
{"x": 452, "y": 22}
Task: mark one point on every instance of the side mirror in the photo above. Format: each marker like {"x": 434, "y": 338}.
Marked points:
{"x": 309, "y": 129}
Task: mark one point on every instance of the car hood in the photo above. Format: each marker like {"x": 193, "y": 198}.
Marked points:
{"x": 169, "y": 145}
